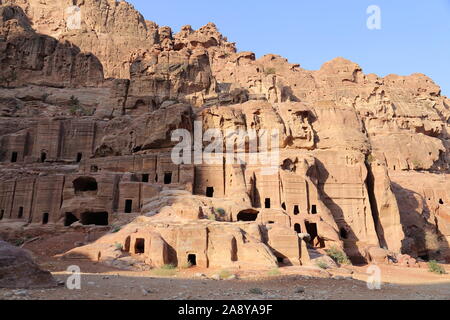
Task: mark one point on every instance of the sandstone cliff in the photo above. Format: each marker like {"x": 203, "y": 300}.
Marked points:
{"x": 87, "y": 116}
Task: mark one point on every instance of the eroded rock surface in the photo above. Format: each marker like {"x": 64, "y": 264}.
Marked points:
{"x": 18, "y": 270}
{"x": 87, "y": 117}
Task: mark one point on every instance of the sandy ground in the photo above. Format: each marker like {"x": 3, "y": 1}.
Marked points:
{"x": 99, "y": 282}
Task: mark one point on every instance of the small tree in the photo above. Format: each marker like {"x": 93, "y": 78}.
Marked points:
{"x": 338, "y": 255}
{"x": 434, "y": 267}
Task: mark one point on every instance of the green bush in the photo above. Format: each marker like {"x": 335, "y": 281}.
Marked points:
{"x": 118, "y": 246}
{"x": 115, "y": 229}
{"x": 76, "y": 108}
{"x": 18, "y": 242}
{"x": 274, "y": 272}
{"x": 220, "y": 211}
{"x": 74, "y": 102}
{"x": 322, "y": 264}
{"x": 73, "y": 110}
{"x": 225, "y": 274}
{"x": 338, "y": 255}
{"x": 167, "y": 270}
{"x": 434, "y": 267}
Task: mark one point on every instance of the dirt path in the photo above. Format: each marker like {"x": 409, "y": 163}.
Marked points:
{"x": 100, "y": 282}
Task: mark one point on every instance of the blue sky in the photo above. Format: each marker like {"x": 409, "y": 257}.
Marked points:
{"x": 414, "y": 35}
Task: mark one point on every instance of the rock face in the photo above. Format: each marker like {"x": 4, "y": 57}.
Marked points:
{"x": 34, "y": 58}
{"x": 89, "y": 126}
{"x": 18, "y": 270}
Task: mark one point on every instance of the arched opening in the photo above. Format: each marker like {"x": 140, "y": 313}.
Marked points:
{"x": 441, "y": 201}
{"x": 343, "y": 233}
{"x": 283, "y": 206}
{"x": 210, "y": 192}
{"x": 128, "y": 206}
{"x": 167, "y": 177}
{"x": 79, "y": 156}
{"x": 311, "y": 229}
{"x": 45, "y": 218}
{"x": 298, "y": 228}
{"x": 192, "y": 259}
{"x": 139, "y": 104}
{"x": 314, "y": 209}
{"x": 247, "y": 215}
{"x": 145, "y": 177}
{"x": 69, "y": 219}
{"x": 20, "y": 215}
{"x": 94, "y": 218}
{"x": 267, "y": 203}
{"x": 139, "y": 246}
{"x": 2, "y": 213}
{"x": 43, "y": 157}
{"x": 14, "y": 157}
{"x": 84, "y": 184}
{"x": 296, "y": 210}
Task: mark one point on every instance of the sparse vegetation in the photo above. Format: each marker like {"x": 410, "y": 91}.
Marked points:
{"x": 212, "y": 217}
{"x": 322, "y": 264}
{"x": 186, "y": 265}
{"x": 269, "y": 71}
{"x": 274, "y": 272}
{"x": 74, "y": 102}
{"x": 338, "y": 256}
{"x": 77, "y": 109}
{"x": 115, "y": 229}
{"x": 255, "y": 291}
{"x": 225, "y": 274}
{"x": 221, "y": 211}
{"x": 370, "y": 158}
{"x": 18, "y": 242}
{"x": 434, "y": 267}
{"x": 118, "y": 246}
{"x": 167, "y": 270}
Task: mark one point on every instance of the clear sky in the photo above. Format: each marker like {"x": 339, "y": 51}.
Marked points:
{"x": 414, "y": 34}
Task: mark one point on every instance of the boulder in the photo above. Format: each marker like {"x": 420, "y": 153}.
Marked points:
{"x": 18, "y": 270}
